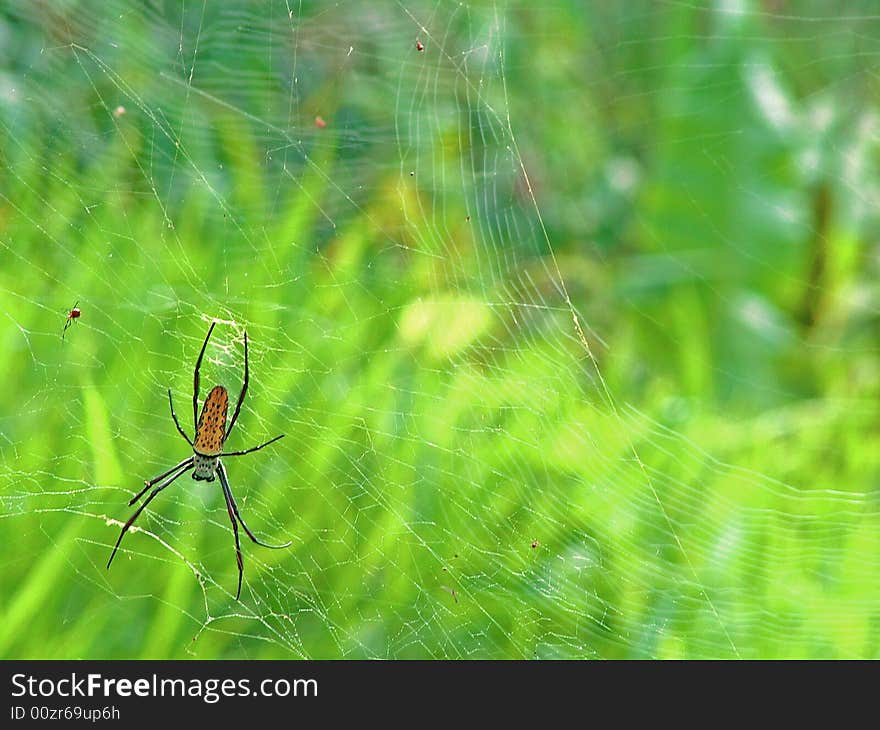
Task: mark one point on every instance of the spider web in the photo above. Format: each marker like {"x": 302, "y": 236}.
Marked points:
{"x": 480, "y": 307}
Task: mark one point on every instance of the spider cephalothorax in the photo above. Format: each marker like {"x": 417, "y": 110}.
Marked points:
{"x": 211, "y": 435}
{"x": 204, "y": 467}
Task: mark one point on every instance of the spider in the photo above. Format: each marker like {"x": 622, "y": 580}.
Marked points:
{"x": 73, "y": 315}
{"x": 211, "y": 435}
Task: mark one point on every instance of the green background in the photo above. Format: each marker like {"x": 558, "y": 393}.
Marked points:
{"x": 570, "y": 320}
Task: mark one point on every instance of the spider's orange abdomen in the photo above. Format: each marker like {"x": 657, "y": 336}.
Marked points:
{"x": 211, "y": 431}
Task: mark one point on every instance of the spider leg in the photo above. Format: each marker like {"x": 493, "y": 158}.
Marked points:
{"x": 141, "y": 509}
{"x": 196, "y": 378}
{"x": 176, "y": 422}
{"x": 255, "y": 448}
{"x": 150, "y": 482}
{"x": 230, "y": 501}
{"x": 229, "y": 508}
{"x": 244, "y": 388}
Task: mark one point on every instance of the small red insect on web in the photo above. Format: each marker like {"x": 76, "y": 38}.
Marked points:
{"x": 420, "y": 46}
{"x": 72, "y": 315}
{"x": 320, "y": 123}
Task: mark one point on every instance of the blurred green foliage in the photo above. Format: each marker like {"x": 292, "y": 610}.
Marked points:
{"x": 571, "y": 321}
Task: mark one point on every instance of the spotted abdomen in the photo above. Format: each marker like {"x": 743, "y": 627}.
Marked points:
{"x": 211, "y": 430}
